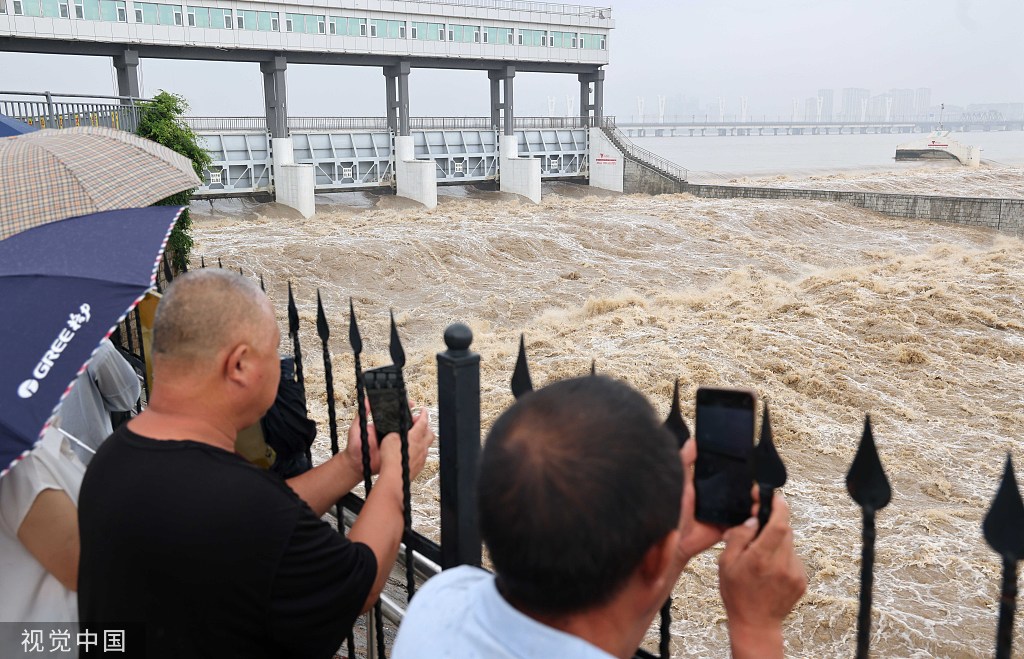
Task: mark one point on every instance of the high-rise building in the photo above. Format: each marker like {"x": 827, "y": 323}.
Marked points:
{"x": 880, "y": 108}
{"x": 902, "y": 104}
{"x": 826, "y": 104}
{"x": 811, "y": 109}
{"x": 922, "y": 102}
{"x": 854, "y": 104}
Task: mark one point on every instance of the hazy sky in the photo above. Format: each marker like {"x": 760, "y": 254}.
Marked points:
{"x": 966, "y": 51}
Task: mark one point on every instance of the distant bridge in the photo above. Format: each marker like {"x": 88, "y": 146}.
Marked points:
{"x": 690, "y": 127}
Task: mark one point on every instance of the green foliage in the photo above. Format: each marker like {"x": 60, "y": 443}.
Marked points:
{"x": 160, "y": 120}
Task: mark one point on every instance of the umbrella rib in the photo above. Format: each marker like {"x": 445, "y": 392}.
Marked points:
{"x": 121, "y": 282}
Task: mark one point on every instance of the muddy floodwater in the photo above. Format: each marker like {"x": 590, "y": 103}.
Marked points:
{"x": 827, "y": 311}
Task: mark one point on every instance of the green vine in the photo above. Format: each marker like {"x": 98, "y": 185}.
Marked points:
{"x": 161, "y": 120}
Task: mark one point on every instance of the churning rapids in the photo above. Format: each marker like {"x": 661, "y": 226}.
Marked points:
{"x": 828, "y": 311}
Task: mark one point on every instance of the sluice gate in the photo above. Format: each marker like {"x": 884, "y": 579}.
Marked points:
{"x": 353, "y": 154}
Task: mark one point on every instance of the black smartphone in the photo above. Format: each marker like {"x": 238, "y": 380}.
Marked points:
{"x": 724, "y": 472}
{"x": 388, "y": 405}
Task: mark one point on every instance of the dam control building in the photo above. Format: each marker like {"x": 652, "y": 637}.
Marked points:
{"x": 501, "y": 37}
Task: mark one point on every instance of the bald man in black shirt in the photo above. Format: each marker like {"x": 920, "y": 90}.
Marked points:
{"x": 210, "y": 555}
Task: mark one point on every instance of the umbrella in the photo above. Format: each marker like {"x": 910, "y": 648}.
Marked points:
{"x": 10, "y": 126}
{"x": 64, "y": 286}
{"x": 54, "y": 174}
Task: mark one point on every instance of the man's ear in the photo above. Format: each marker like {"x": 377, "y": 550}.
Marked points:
{"x": 661, "y": 565}
{"x": 235, "y": 364}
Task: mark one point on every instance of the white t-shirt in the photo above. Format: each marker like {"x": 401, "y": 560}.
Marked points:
{"x": 29, "y": 593}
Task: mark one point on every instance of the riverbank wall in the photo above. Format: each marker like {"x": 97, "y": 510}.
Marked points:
{"x": 1002, "y": 214}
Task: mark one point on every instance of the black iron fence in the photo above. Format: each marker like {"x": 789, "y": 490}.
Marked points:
{"x": 48, "y": 110}
{"x": 459, "y": 435}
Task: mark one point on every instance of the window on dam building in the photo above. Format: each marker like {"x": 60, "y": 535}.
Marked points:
{"x": 305, "y": 23}
{"x": 563, "y": 40}
{"x": 428, "y": 31}
{"x": 113, "y": 11}
{"x": 498, "y": 35}
{"x": 209, "y": 17}
{"x": 593, "y": 41}
{"x": 154, "y": 14}
{"x": 260, "y": 21}
{"x": 387, "y": 29}
{"x": 533, "y": 38}
{"x": 463, "y": 33}
{"x": 347, "y": 27}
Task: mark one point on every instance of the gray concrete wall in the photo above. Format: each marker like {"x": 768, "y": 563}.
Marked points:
{"x": 640, "y": 178}
{"x": 1005, "y": 215}
{"x": 1002, "y": 214}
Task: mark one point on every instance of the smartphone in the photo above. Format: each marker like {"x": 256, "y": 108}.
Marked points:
{"x": 724, "y": 473}
{"x": 385, "y": 390}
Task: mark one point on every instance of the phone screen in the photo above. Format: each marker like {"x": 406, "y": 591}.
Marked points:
{"x": 723, "y": 474}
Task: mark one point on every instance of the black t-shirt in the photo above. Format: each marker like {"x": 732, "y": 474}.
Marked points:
{"x": 216, "y": 557}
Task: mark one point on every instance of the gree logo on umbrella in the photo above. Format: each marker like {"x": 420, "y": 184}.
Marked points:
{"x": 75, "y": 321}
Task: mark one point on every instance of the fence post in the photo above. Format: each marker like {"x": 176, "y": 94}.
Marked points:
{"x": 49, "y": 109}
{"x": 458, "y": 402}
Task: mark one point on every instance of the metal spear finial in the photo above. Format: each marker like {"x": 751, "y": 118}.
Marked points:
{"x": 674, "y": 422}
{"x": 220, "y": 264}
{"x": 324, "y": 332}
{"x": 397, "y": 352}
{"x": 356, "y": 342}
{"x": 521, "y": 382}
{"x": 593, "y": 367}
{"x": 869, "y": 487}
{"x": 202, "y": 261}
{"x": 293, "y": 331}
{"x": 1004, "y": 531}
{"x": 769, "y": 470}
{"x": 263, "y": 286}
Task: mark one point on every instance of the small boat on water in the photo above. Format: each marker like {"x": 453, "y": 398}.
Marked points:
{"x": 939, "y": 146}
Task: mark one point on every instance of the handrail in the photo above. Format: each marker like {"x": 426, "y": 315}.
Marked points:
{"x": 529, "y": 5}
{"x": 259, "y": 123}
{"x": 635, "y": 152}
{"x": 91, "y": 96}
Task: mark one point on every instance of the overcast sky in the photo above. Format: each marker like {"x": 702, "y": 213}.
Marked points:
{"x": 966, "y": 51}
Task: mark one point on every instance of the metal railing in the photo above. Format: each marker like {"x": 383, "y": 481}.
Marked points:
{"x": 642, "y": 155}
{"x": 528, "y": 5}
{"x": 49, "y": 110}
{"x": 230, "y": 124}
{"x": 459, "y": 434}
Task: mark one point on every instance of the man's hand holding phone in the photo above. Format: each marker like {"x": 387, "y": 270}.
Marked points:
{"x": 761, "y": 579}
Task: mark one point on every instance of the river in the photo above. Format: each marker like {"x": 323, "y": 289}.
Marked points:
{"x": 829, "y": 312}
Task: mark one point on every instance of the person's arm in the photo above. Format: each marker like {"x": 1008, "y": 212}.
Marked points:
{"x": 381, "y": 522}
{"x": 115, "y": 378}
{"x": 49, "y": 532}
{"x": 322, "y": 486}
{"x": 761, "y": 579}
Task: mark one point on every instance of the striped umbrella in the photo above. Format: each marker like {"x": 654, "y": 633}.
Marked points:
{"x": 51, "y": 175}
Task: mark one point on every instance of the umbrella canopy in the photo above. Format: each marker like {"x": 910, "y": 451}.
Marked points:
{"x": 10, "y": 127}
{"x": 54, "y": 174}
{"x": 64, "y": 286}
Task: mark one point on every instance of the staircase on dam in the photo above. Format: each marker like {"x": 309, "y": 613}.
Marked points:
{"x": 643, "y": 170}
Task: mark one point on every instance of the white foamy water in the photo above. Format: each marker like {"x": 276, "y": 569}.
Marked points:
{"x": 828, "y": 311}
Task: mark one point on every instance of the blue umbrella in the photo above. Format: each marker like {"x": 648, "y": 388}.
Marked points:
{"x": 10, "y": 127}
{"x": 64, "y": 286}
